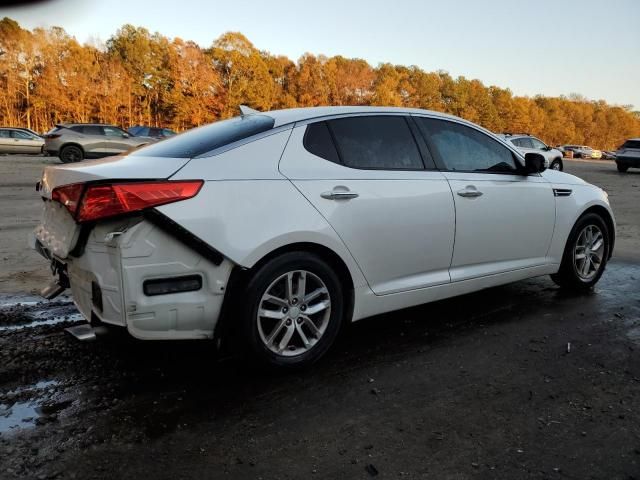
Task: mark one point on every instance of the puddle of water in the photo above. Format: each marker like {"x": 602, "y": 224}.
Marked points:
{"x": 23, "y": 414}
{"x": 37, "y": 312}
{"x": 18, "y": 416}
{"x": 634, "y": 335}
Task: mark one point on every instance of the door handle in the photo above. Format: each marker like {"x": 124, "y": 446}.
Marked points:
{"x": 341, "y": 194}
{"x": 469, "y": 192}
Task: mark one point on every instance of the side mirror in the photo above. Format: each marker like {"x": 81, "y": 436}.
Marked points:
{"x": 534, "y": 163}
{"x": 125, "y": 135}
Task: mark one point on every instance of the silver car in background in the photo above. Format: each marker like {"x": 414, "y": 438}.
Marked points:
{"x": 18, "y": 140}
{"x": 73, "y": 142}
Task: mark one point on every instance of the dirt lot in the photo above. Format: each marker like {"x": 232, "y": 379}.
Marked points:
{"x": 520, "y": 381}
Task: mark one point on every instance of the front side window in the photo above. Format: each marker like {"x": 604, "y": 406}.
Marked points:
{"x": 466, "y": 149}
{"x": 22, "y": 135}
{"x": 113, "y": 132}
{"x": 5, "y": 134}
{"x": 376, "y": 142}
{"x": 525, "y": 143}
{"x": 537, "y": 144}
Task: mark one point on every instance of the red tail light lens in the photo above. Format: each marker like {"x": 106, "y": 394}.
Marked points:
{"x": 108, "y": 200}
{"x": 69, "y": 196}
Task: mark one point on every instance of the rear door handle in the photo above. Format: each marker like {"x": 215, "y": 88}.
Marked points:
{"x": 469, "y": 191}
{"x": 339, "y": 193}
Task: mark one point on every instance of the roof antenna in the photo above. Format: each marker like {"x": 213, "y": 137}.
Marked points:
{"x": 244, "y": 110}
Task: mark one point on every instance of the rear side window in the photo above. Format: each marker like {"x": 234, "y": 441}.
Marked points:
{"x": 376, "y": 142}
{"x": 317, "y": 140}
{"x": 92, "y": 130}
{"x": 463, "y": 148}
{"x": 204, "y": 139}
{"x": 631, "y": 144}
{"x": 5, "y": 134}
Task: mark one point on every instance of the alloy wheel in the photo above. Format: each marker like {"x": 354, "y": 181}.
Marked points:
{"x": 293, "y": 313}
{"x": 588, "y": 252}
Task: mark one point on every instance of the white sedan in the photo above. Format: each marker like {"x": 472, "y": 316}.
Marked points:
{"x": 279, "y": 227}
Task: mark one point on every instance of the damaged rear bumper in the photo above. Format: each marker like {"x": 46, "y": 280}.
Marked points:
{"x": 110, "y": 277}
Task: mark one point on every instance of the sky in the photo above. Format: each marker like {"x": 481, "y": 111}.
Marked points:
{"x": 549, "y": 47}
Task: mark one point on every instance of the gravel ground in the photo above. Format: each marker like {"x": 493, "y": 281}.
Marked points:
{"x": 520, "y": 381}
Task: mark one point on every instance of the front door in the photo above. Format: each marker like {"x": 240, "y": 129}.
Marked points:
{"x": 504, "y": 219}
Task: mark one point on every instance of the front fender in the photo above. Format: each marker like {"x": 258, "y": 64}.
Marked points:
{"x": 570, "y": 208}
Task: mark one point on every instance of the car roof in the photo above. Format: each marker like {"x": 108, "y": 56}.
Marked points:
{"x": 85, "y": 124}
{"x": 293, "y": 115}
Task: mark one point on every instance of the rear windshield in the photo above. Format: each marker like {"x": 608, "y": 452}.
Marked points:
{"x": 631, "y": 144}
{"x": 204, "y": 139}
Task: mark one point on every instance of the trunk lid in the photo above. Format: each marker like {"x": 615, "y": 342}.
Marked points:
{"x": 58, "y": 232}
{"x": 110, "y": 168}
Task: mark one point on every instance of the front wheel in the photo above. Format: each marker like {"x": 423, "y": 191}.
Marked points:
{"x": 622, "y": 168}
{"x": 556, "y": 164}
{"x": 585, "y": 255}
{"x": 293, "y": 311}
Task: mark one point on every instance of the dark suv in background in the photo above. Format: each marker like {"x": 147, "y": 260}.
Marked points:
{"x": 73, "y": 142}
{"x": 628, "y": 155}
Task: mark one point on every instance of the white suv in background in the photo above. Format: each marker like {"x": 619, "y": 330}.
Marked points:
{"x": 529, "y": 144}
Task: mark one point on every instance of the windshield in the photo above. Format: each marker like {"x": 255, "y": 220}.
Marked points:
{"x": 209, "y": 137}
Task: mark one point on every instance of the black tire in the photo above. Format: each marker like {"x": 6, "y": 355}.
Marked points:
{"x": 568, "y": 276}
{"x": 622, "y": 168}
{"x": 71, "y": 154}
{"x": 557, "y": 162}
{"x": 261, "y": 280}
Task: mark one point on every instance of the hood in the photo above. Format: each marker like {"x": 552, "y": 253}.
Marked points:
{"x": 110, "y": 168}
{"x": 557, "y": 177}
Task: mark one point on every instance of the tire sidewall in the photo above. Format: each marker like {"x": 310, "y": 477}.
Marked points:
{"x": 569, "y": 263}
{"x": 257, "y": 286}
{"x": 66, "y": 149}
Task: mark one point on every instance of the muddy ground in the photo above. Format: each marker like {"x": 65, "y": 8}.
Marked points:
{"x": 520, "y": 381}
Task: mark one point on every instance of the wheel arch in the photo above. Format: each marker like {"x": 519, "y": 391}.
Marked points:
{"x": 71, "y": 144}
{"x": 608, "y": 220}
{"x": 240, "y": 276}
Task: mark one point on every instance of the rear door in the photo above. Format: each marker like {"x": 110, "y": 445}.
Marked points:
{"x": 92, "y": 140}
{"x": 388, "y": 204}
{"x": 7, "y": 144}
{"x": 504, "y": 219}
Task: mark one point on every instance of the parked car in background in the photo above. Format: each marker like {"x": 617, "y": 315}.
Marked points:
{"x": 628, "y": 155}
{"x": 73, "y": 142}
{"x": 32, "y": 132}
{"x": 529, "y": 144}
{"x": 583, "y": 151}
{"x": 277, "y": 228}
{"x": 154, "y": 132}
{"x": 18, "y": 140}
{"x": 608, "y": 155}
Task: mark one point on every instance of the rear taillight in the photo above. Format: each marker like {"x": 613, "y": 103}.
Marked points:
{"x": 51, "y": 136}
{"x": 69, "y": 196}
{"x": 94, "y": 202}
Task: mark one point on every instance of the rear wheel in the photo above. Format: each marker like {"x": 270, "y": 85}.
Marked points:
{"x": 293, "y": 311}
{"x": 556, "y": 164}
{"x": 585, "y": 255}
{"x": 621, "y": 167}
{"x": 71, "y": 154}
